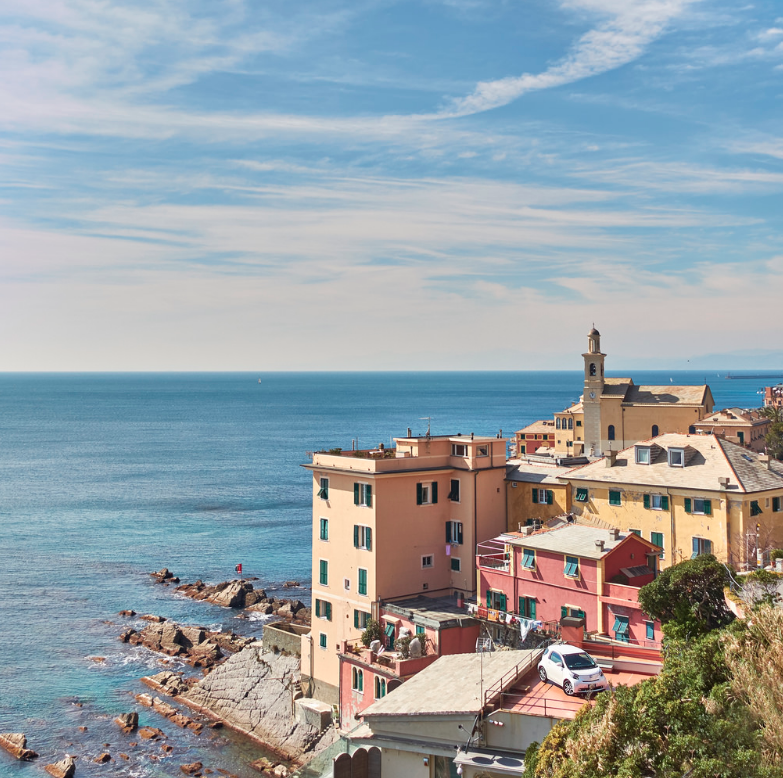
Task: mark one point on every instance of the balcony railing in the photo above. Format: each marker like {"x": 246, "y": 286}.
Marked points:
{"x": 495, "y": 562}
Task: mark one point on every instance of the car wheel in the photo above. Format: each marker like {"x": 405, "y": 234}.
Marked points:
{"x": 568, "y": 687}
{"x": 542, "y": 674}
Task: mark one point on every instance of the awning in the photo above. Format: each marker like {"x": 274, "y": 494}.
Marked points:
{"x": 391, "y": 619}
{"x": 487, "y": 760}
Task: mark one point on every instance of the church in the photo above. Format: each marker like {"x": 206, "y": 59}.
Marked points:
{"x": 615, "y": 413}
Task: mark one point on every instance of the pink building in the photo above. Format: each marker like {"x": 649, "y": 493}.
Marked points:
{"x": 575, "y": 570}
{"x": 442, "y": 627}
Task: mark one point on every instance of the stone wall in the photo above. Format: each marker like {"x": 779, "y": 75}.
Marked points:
{"x": 285, "y": 637}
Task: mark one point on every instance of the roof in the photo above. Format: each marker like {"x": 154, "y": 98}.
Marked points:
{"x": 435, "y": 612}
{"x": 543, "y": 425}
{"x": 733, "y": 417}
{"x": 451, "y": 685}
{"x": 532, "y": 473}
{"x": 711, "y": 458}
{"x": 666, "y": 395}
{"x": 575, "y": 539}
{"x": 575, "y": 408}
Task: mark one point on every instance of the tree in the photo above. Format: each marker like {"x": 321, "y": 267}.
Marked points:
{"x": 761, "y": 588}
{"x": 688, "y": 598}
{"x": 774, "y": 438}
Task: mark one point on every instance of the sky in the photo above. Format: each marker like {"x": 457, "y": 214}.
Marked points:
{"x": 379, "y": 185}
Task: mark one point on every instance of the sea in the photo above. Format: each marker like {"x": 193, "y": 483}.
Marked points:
{"x": 107, "y": 477}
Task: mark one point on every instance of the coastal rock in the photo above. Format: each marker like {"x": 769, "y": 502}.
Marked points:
{"x": 291, "y": 584}
{"x": 16, "y": 745}
{"x": 191, "y": 769}
{"x": 103, "y": 758}
{"x": 150, "y": 733}
{"x": 251, "y": 691}
{"x": 262, "y": 607}
{"x": 152, "y": 617}
{"x": 165, "y": 576}
{"x": 167, "y": 682}
{"x": 144, "y": 699}
{"x": 127, "y": 722}
{"x": 238, "y": 593}
{"x": 128, "y": 613}
{"x": 65, "y": 768}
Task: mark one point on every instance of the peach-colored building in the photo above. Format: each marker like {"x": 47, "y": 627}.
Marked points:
{"x": 746, "y": 428}
{"x": 773, "y": 396}
{"x": 395, "y": 523}
{"x": 538, "y": 435}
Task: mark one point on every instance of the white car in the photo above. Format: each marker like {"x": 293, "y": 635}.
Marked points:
{"x": 571, "y": 668}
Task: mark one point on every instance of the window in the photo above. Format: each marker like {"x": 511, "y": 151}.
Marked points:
{"x": 529, "y": 558}
{"x": 658, "y": 502}
{"x": 323, "y": 492}
{"x": 454, "y": 532}
{"x": 323, "y": 610}
{"x": 389, "y": 632}
{"x": 614, "y": 498}
{"x": 691, "y": 430}
{"x": 569, "y": 610}
{"x": 427, "y": 494}
{"x": 420, "y": 630}
{"x": 362, "y": 495}
{"x": 496, "y": 600}
{"x": 592, "y": 368}
{"x": 581, "y": 494}
{"x": 322, "y": 640}
{"x": 571, "y": 568}
{"x": 621, "y": 629}
{"x": 454, "y": 491}
{"x": 676, "y": 457}
{"x": 543, "y": 496}
{"x": 578, "y": 423}
{"x": 324, "y": 529}
{"x": 776, "y": 504}
{"x": 426, "y": 561}
{"x": 701, "y": 546}
{"x": 545, "y": 437}
{"x": 362, "y": 537}
{"x": 380, "y": 687}
{"x": 527, "y": 608}
{"x": 610, "y": 432}
{"x": 323, "y": 577}
{"x": 362, "y": 581}
{"x": 459, "y": 450}
{"x": 654, "y": 431}
{"x": 649, "y": 629}
{"x": 642, "y": 455}
{"x": 483, "y": 451}
{"x": 657, "y": 539}
{"x": 456, "y": 564}
{"x": 360, "y": 619}
{"x": 357, "y": 680}
{"x": 698, "y": 505}
{"x": 570, "y": 423}
{"x": 755, "y": 508}
{"x": 557, "y": 423}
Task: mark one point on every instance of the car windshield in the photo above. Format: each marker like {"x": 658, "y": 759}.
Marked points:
{"x": 579, "y": 661}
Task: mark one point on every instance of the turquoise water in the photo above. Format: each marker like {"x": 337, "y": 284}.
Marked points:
{"x": 104, "y": 478}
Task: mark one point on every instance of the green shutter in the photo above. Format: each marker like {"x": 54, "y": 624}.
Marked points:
{"x": 356, "y": 494}
{"x": 776, "y": 504}
{"x": 328, "y": 611}
{"x": 356, "y": 618}
{"x": 356, "y": 536}
{"x": 614, "y": 498}
{"x": 535, "y": 496}
{"x": 459, "y": 532}
{"x": 503, "y": 602}
{"x": 448, "y": 532}
{"x": 707, "y": 508}
{"x": 563, "y": 611}
{"x": 665, "y": 503}
{"x": 368, "y": 495}
{"x": 318, "y": 609}
{"x": 550, "y": 497}
{"x": 368, "y": 538}
{"x": 531, "y": 608}
{"x": 647, "y": 501}
{"x": 434, "y": 492}
{"x": 489, "y": 598}
{"x": 687, "y": 504}
{"x": 419, "y": 497}
{"x": 522, "y": 609}
{"x": 324, "y": 569}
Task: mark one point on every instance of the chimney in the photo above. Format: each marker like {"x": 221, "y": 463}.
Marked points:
{"x": 723, "y": 482}
{"x": 614, "y": 533}
{"x": 610, "y": 458}
{"x": 409, "y": 432}
{"x": 765, "y": 459}
{"x": 599, "y": 545}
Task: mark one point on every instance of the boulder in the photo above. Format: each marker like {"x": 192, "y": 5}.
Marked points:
{"x": 129, "y": 613}
{"x": 262, "y": 607}
{"x": 165, "y": 576}
{"x": 192, "y": 768}
{"x": 150, "y": 733}
{"x": 233, "y": 595}
{"x": 103, "y": 758}
{"x": 65, "y": 768}
{"x": 144, "y": 699}
{"x": 16, "y": 745}
{"x": 291, "y": 584}
{"x": 164, "y": 708}
{"x": 126, "y": 635}
{"x": 127, "y": 722}
{"x": 151, "y": 617}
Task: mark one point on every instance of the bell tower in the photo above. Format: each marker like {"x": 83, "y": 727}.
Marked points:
{"x": 594, "y": 387}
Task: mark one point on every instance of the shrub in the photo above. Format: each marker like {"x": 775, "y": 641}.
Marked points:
{"x": 372, "y": 631}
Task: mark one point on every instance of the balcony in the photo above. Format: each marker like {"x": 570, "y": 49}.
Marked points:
{"x": 621, "y": 592}
{"x": 494, "y": 555}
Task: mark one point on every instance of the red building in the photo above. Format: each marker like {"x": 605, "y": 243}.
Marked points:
{"x": 571, "y": 570}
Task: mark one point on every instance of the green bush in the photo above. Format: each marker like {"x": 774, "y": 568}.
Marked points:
{"x": 372, "y": 631}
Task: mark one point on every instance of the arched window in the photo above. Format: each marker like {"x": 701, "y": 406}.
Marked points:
{"x": 655, "y": 430}
{"x": 380, "y": 687}
{"x": 691, "y": 430}
{"x": 570, "y": 422}
{"x": 610, "y": 433}
{"x": 358, "y": 680}
{"x": 557, "y": 423}
{"x": 592, "y": 368}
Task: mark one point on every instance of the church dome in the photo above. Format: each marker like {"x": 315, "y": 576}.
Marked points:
{"x": 593, "y": 332}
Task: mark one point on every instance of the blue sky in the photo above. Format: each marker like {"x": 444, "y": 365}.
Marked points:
{"x": 388, "y": 185}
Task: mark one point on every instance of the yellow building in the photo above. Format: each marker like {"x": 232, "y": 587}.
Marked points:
{"x": 535, "y": 492}
{"x": 689, "y": 494}
{"x": 393, "y": 524}
{"x": 615, "y": 413}
{"x": 746, "y": 428}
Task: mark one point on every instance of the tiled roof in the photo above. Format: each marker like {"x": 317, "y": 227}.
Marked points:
{"x": 665, "y": 395}
{"x": 536, "y": 474}
{"x": 711, "y": 458}
{"x": 576, "y": 539}
{"x": 450, "y": 685}
{"x": 575, "y": 408}
{"x": 733, "y": 417}
{"x": 544, "y": 425}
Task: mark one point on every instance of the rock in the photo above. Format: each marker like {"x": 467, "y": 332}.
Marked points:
{"x": 165, "y": 576}
{"x": 153, "y": 618}
{"x": 291, "y": 584}
{"x": 164, "y": 708}
{"x": 166, "y": 748}
{"x": 144, "y": 699}
{"x": 215, "y": 725}
{"x": 262, "y": 607}
{"x": 127, "y": 722}
{"x": 65, "y": 768}
{"x": 97, "y": 658}
{"x": 281, "y": 771}
{"x": 16, "y": 745}
{"x": 150, "y": 733}
{"x": 262, "y": 765}
{"x": 103, "y": 758}
{"x": 191, "y": 769}
{"x": 125, "y": 757}
{"x": 129, "y": 613}
{"x": 126, "y": 635}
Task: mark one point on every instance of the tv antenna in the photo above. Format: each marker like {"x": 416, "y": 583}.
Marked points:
{"x": 428, "y": 419}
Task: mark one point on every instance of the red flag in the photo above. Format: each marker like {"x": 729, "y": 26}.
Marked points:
{"x": 238, "y": 568}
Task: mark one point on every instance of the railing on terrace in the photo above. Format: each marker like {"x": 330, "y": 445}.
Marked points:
{"x": 632, "y": 649}
{"x": 621, "y": 591}
{"x": 521, "y": 702}
{"x": 495, "y": 562}
{"x": 511, "y": 676}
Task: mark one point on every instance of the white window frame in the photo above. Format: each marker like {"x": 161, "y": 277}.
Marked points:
{"x": 459, "y": 450}
{"x": 694, "y": 510}
{"x": 429, "y": 566}
{"x": 363, "y": 486}
{"x": 482, "y": 450}
{"x": 681, "y": 453}
{"x": 656, "y": 498}
{"x": 426, "y": 493}
{"x": 321, "y": 642}
{"x": 321, "y": 479}
{"x": 363, "y": 536}
{"x": 456, "y": 530}
{"x": 320, "y": 529}
{"x": 643, "y": 455}
{"x": 542, "y": 496}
